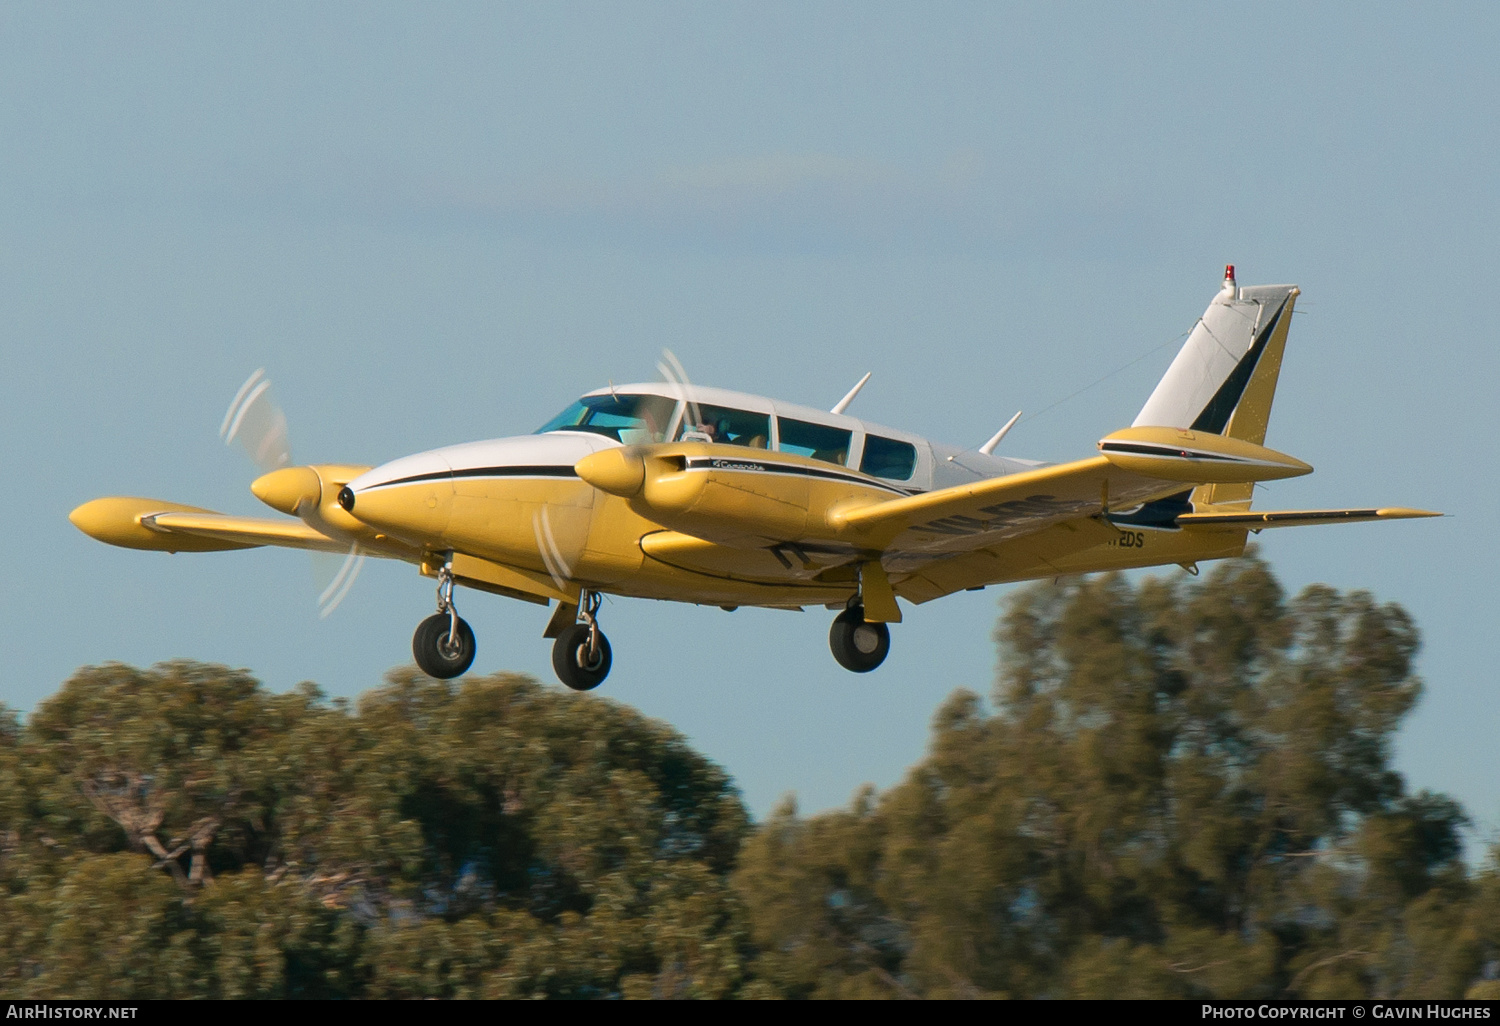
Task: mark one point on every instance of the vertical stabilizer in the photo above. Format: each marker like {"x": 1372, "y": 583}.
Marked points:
{"x": 1224, "y": 378}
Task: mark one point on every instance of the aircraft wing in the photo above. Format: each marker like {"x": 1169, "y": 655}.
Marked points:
{"x": 1042, "y": 553}
{"x": 976, "y": 516}
{"x": 247, "y": 531}
{"x": 155, "y": 524}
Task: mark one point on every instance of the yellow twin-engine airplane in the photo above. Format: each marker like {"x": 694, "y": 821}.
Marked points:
{"x": 714, "y": 497}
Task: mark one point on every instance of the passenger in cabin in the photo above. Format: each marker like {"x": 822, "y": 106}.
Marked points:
{"x": 727, "y": 427}
{"x": 819, "y": 441}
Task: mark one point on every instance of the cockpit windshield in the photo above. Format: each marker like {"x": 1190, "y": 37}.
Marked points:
{"x": 632, "y": 419}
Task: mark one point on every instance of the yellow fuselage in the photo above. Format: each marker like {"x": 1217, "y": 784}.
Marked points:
{"x": 711, "y": 524}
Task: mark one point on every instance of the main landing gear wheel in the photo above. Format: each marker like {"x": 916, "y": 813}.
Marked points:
{"x": 580, "y": 655}
{"x": 437, "y": 653}
{"x": 577, "y": 666}
{"x": 444, "y": 642}
{"x": 857, "y": 645}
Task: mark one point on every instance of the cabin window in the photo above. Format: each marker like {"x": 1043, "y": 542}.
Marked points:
{"x": 725, "y": 426}
{"x": 888, "y": 458}
{"x": 632, "y": 419}
{"x": 819, "y": 441}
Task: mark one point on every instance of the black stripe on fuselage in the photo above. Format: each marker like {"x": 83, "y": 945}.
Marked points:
{"x": 758, "y": 466}
{"x": 437, "y": 475}
{"x": 1215, "y": 416}
{"x": 694, "y": 463}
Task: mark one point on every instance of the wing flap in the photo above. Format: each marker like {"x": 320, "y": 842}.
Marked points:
{"x": 1255, "y": 520}
{"x": 1005, "y": 561}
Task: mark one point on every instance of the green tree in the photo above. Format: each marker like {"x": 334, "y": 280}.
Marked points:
{"x": 812, "y": 898}
{"x": 180, "y": 832}
{"x": 1185, "y": 790}
{"x": 1182, "y": 788}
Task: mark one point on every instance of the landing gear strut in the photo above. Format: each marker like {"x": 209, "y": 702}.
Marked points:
{"x": 857, "y": 645}
{"x": 581, "y": 655}
{"x": 444, "y": 643}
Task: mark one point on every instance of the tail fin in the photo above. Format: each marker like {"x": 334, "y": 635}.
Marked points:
{"x": 1224, "y": 378}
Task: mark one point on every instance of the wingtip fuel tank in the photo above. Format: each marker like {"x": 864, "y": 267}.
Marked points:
{"x": 1198, "y": 457}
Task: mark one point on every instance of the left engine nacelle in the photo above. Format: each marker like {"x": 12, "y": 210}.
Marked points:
{"x": 312, "y": 493}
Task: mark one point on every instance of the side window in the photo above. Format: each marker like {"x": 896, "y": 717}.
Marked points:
{"x": 888, "y": 458}
{"x": 725, "y": 426}
{"x": 816, "y": 440}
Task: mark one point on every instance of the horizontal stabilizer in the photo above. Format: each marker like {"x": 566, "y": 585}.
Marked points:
{"x": 1257, "y": 519}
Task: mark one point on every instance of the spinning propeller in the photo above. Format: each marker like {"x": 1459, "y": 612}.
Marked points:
{"x": 561, "y": 533}
{"x": 258, "y": 425}
{"x": 674, "y": 374}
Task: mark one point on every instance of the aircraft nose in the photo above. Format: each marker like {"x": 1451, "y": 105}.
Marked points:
{"x": 409, "y": 498}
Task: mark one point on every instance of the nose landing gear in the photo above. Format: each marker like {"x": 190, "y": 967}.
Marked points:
{"x": 857, "y": 645}
{"x": 580, "y": 655}
{"x": 444, "y": 643}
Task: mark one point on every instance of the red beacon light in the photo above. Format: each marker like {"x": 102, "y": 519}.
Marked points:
{"x": 1231, "y": 289}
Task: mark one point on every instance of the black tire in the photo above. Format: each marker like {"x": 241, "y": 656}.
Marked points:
{"x": 857, "y": 645}
{"x": 434, "y": 656}
{"x": 570, "y": 658}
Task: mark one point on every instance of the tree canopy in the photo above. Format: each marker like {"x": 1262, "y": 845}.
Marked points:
{"x": 1179, "y": 788}
{"x": 1184, "y": 790}
{"x": 181, "y": 832}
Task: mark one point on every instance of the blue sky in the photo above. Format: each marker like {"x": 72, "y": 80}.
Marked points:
{"x": 442, "y": 222}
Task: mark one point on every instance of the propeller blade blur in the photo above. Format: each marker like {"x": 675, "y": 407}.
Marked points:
{"x": 257, "y": 424}
{"x": 336, "y": 575}
{"x": 559, "y": 567}
{"x": 672, "y": 371}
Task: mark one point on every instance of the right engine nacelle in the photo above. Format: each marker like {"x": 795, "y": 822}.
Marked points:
{"x": 724, "y": 493}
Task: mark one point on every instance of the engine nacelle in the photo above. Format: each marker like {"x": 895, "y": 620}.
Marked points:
{"x": 724, "y": 493}
{"x": 311, "y": 493}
